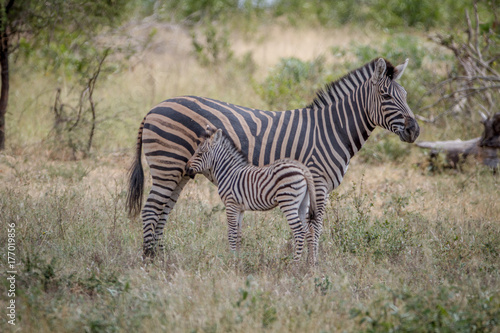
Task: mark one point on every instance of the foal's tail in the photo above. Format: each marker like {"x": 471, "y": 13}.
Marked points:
{"x": 311, "y": 189}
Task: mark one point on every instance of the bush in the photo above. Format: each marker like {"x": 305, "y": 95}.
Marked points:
{"x": 384, "y": 148}
{"x": 211, "y": 44}
{"x": 412, "y": 13}
{"x": 292, "y": 83}
{"x": 360, "y": 234}
{"x": 444, "y": 309}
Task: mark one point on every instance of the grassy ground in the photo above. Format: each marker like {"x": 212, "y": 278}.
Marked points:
{"x": 402, "y": 249}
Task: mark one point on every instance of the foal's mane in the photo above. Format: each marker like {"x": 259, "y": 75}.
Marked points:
{"x": 226, "y": 143}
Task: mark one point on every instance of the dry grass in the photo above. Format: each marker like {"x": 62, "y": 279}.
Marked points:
{"x": 402, "y": 249}
{"x": 271, "y": 43}
{"x": 80, "y": 256}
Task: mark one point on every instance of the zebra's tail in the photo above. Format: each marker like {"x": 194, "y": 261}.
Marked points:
{"x": 312, "y": 195}
{"x": 136, "y": 178}
{"x": 311, "y": 189}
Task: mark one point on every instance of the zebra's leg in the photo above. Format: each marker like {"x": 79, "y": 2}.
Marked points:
{"x": 311, "y": 257}
{"x": 168, "y": 208}
{"x": 160, "y": 193}
{"x": 238, "y": 240}
{"x": 316, "y": 225}
{"x": 303, "y": 209}
{"x": 234, "y": 216}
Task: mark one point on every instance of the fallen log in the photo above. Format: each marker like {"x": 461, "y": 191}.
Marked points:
{"x": 486, "y": 149}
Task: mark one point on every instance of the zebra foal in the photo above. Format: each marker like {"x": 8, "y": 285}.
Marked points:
{"x": 242, "y": 186}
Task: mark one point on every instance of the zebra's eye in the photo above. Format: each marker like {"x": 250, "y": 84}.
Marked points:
{"x": 386, "y": 97}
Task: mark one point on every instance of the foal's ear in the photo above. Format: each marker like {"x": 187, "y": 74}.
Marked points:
{"x": 217, "y": 136}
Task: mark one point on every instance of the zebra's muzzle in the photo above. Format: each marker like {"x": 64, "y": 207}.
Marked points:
{"x": 411, "y": 131}
{"x": 190, "y": 172}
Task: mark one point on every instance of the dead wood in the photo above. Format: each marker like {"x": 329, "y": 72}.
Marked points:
{"x": 486, "y": 149}
{"x": 474, "y": 81}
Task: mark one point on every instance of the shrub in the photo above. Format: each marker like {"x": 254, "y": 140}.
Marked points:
{"x": 292, "y": 83}
{"x": 384, "y": 148}
{"x": 443, "y": 309}
{"x": 211, "y": 45}
{"x": 359, "y": 233}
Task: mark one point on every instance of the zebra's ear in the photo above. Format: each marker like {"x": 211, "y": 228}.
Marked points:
{"x": 398, "y": 71}
{"x": 209, "y": 130}
{"x": 217, "y": 136}
{"x": 380, "y": 68}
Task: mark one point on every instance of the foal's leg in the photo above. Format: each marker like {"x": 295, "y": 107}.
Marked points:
{"x": 234, "y": 216}
{"x": 289, "y": 205}
{"x": 238, "y": 240}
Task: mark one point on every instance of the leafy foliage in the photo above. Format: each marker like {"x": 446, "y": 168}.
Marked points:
{"x": 401, "y": 310}
{"x": 211, "y": 44}
{"x": 292, "y": 83}
{"x": 62, "y": 32}
{"x": 190, "y": 12}
{"x": 383, "y": 148}
{"x": 393, "y": 259}
{"x": 359, "y": 234}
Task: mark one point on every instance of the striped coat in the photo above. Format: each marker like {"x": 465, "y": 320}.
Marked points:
{"x": 324, "y": 136}
{"x": 242, "y": 186}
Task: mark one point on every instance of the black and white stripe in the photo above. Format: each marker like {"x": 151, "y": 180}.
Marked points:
{"x": 324, "y": 136}
{"x": 242, "y": 186}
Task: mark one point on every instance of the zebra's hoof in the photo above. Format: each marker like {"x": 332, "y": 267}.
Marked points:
{"x": 152, "y": 251}
{"x": 148, "y": 253}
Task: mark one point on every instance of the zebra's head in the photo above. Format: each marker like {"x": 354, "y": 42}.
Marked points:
{"x": 202, "y": 159}
{"x": 388, "y": 101}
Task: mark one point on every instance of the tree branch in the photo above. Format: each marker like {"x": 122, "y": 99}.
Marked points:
{"x": 9, "y": 6}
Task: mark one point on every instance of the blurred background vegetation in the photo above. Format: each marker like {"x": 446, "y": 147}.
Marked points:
{"x": 68, "y": 57}
{"x": 404, "y": 248}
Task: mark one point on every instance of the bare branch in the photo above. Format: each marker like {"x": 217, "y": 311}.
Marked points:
{"x": 80, "y": 109}
{"x": 469, "y": 27}
{"x": 469, "y": 92}
{"x": 91, "y": 86}
{"x": 478, "y": 79}
{"x": 57, "y": 102}
{"x": 476, "y": 37}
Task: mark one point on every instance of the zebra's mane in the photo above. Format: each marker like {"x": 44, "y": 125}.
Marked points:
{"x": 336, "y": 90}
{"x": 234, "y": 152}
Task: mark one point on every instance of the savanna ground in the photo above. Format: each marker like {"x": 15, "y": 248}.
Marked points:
{"x": 404, "y": 247}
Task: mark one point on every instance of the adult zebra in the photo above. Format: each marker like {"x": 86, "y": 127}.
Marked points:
{"x": 324, "y": 136}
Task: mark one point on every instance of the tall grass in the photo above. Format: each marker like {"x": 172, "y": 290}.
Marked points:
{"x": 402, "y": 249}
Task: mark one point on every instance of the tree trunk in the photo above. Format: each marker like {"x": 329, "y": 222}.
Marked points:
{"x": 4, "y": 93}
{"x": 486, "y": 148}
{"x": 4, "y": 64}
